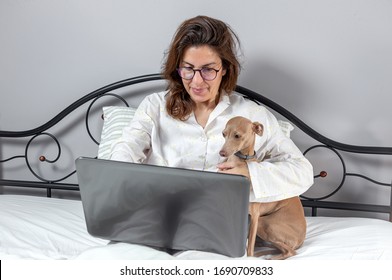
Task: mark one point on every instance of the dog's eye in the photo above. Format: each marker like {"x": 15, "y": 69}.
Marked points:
{"x": 237, "y": 136}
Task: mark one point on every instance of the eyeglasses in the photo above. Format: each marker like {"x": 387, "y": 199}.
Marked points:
{"x": 187, "y": 73}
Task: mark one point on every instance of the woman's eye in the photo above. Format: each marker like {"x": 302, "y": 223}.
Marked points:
{"x": 187, "y": 69}
{"x": 207, "y": 70}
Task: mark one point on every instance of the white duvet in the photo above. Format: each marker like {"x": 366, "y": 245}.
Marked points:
{"x": 48, "y": 228}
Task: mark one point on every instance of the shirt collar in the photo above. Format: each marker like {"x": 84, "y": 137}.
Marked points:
{"x": 223, "y": 104}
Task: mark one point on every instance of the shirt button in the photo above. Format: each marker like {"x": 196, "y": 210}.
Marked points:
{"x": 203, "y": 139}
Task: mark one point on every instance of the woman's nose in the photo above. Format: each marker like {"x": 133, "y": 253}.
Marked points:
{"x": 197, "y": 78}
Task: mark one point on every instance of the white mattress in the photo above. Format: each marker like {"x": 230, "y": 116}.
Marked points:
{"x": 48, "y": 228}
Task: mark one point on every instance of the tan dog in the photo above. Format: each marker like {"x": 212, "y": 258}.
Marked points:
{"x": 281, "y": 223}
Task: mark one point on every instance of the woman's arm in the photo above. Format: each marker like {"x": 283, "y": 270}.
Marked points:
{"x": 283, "y": 171}
{"x": 135, "y": 142}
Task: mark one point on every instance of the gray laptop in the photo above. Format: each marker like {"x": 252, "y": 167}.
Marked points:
{"x": 164, "y": 207}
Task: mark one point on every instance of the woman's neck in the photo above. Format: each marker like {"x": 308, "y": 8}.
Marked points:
{"x": 202, "y": 112}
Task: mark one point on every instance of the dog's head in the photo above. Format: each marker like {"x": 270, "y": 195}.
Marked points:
{"x": 239, "y": 135}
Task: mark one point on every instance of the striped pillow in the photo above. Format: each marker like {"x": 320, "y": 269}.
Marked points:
{"x": 115, "y": 119}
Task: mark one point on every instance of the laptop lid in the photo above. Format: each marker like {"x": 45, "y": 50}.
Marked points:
{"x": 165, "y": 207}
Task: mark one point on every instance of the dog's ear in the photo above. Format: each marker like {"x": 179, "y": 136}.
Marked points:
{"x": 258, "y": 128}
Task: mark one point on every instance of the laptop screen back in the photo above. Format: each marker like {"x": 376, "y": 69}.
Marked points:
{"x": 165, "y": 207}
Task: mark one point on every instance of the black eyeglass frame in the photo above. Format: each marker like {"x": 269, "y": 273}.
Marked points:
{"x": 198, "y": 70}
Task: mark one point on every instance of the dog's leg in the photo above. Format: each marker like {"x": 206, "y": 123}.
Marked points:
{"x": 286, "y": 251}
{"x": 252, "y": 234}
{"x": 279, "y": 251}
{"x": 266, "y": 252}
{"x": 272, "y": 233}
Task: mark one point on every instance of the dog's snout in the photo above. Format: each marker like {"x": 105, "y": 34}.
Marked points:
{"x": 222, "y": 153}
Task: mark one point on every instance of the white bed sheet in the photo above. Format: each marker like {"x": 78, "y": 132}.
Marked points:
{"x": 49, "y": 228}
{"x": 42, "y": 228}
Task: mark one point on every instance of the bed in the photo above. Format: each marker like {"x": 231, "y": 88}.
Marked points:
{"x": 41, "y": 216}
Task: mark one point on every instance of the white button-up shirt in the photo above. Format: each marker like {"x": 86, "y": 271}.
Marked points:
{"x": 154, "y": 137}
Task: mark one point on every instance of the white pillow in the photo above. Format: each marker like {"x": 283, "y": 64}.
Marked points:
{"x": 286, "y": 127}
{"x": 116, "y": 118}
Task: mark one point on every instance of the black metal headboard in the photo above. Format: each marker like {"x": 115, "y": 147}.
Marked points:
{"x": 323, "y": 142}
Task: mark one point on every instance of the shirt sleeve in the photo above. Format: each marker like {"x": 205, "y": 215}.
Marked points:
{"x": 135, "y": 142}
{"x": 281, "y": 171}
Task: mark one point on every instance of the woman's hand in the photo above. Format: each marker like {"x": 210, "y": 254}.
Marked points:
{"x": 240, "y": 168}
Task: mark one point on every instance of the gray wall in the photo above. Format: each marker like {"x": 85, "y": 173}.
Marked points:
{"x": 329, "y": 62}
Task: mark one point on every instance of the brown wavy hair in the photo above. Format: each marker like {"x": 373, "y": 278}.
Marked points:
{"x": 198, "y": 31}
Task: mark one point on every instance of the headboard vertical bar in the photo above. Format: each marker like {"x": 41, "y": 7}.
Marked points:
{"x": 314, "y": 211}
{"x": 48, "y": 192}
{"x": 390, "y": 205}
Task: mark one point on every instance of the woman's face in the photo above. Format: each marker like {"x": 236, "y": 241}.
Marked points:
{"x": 201, "y": 90}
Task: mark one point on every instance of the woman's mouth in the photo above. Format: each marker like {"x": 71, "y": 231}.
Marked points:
{"x": 198, "y": 90}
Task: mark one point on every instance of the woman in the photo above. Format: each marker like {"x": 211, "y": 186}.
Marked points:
{"x": 182, "y": 127}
